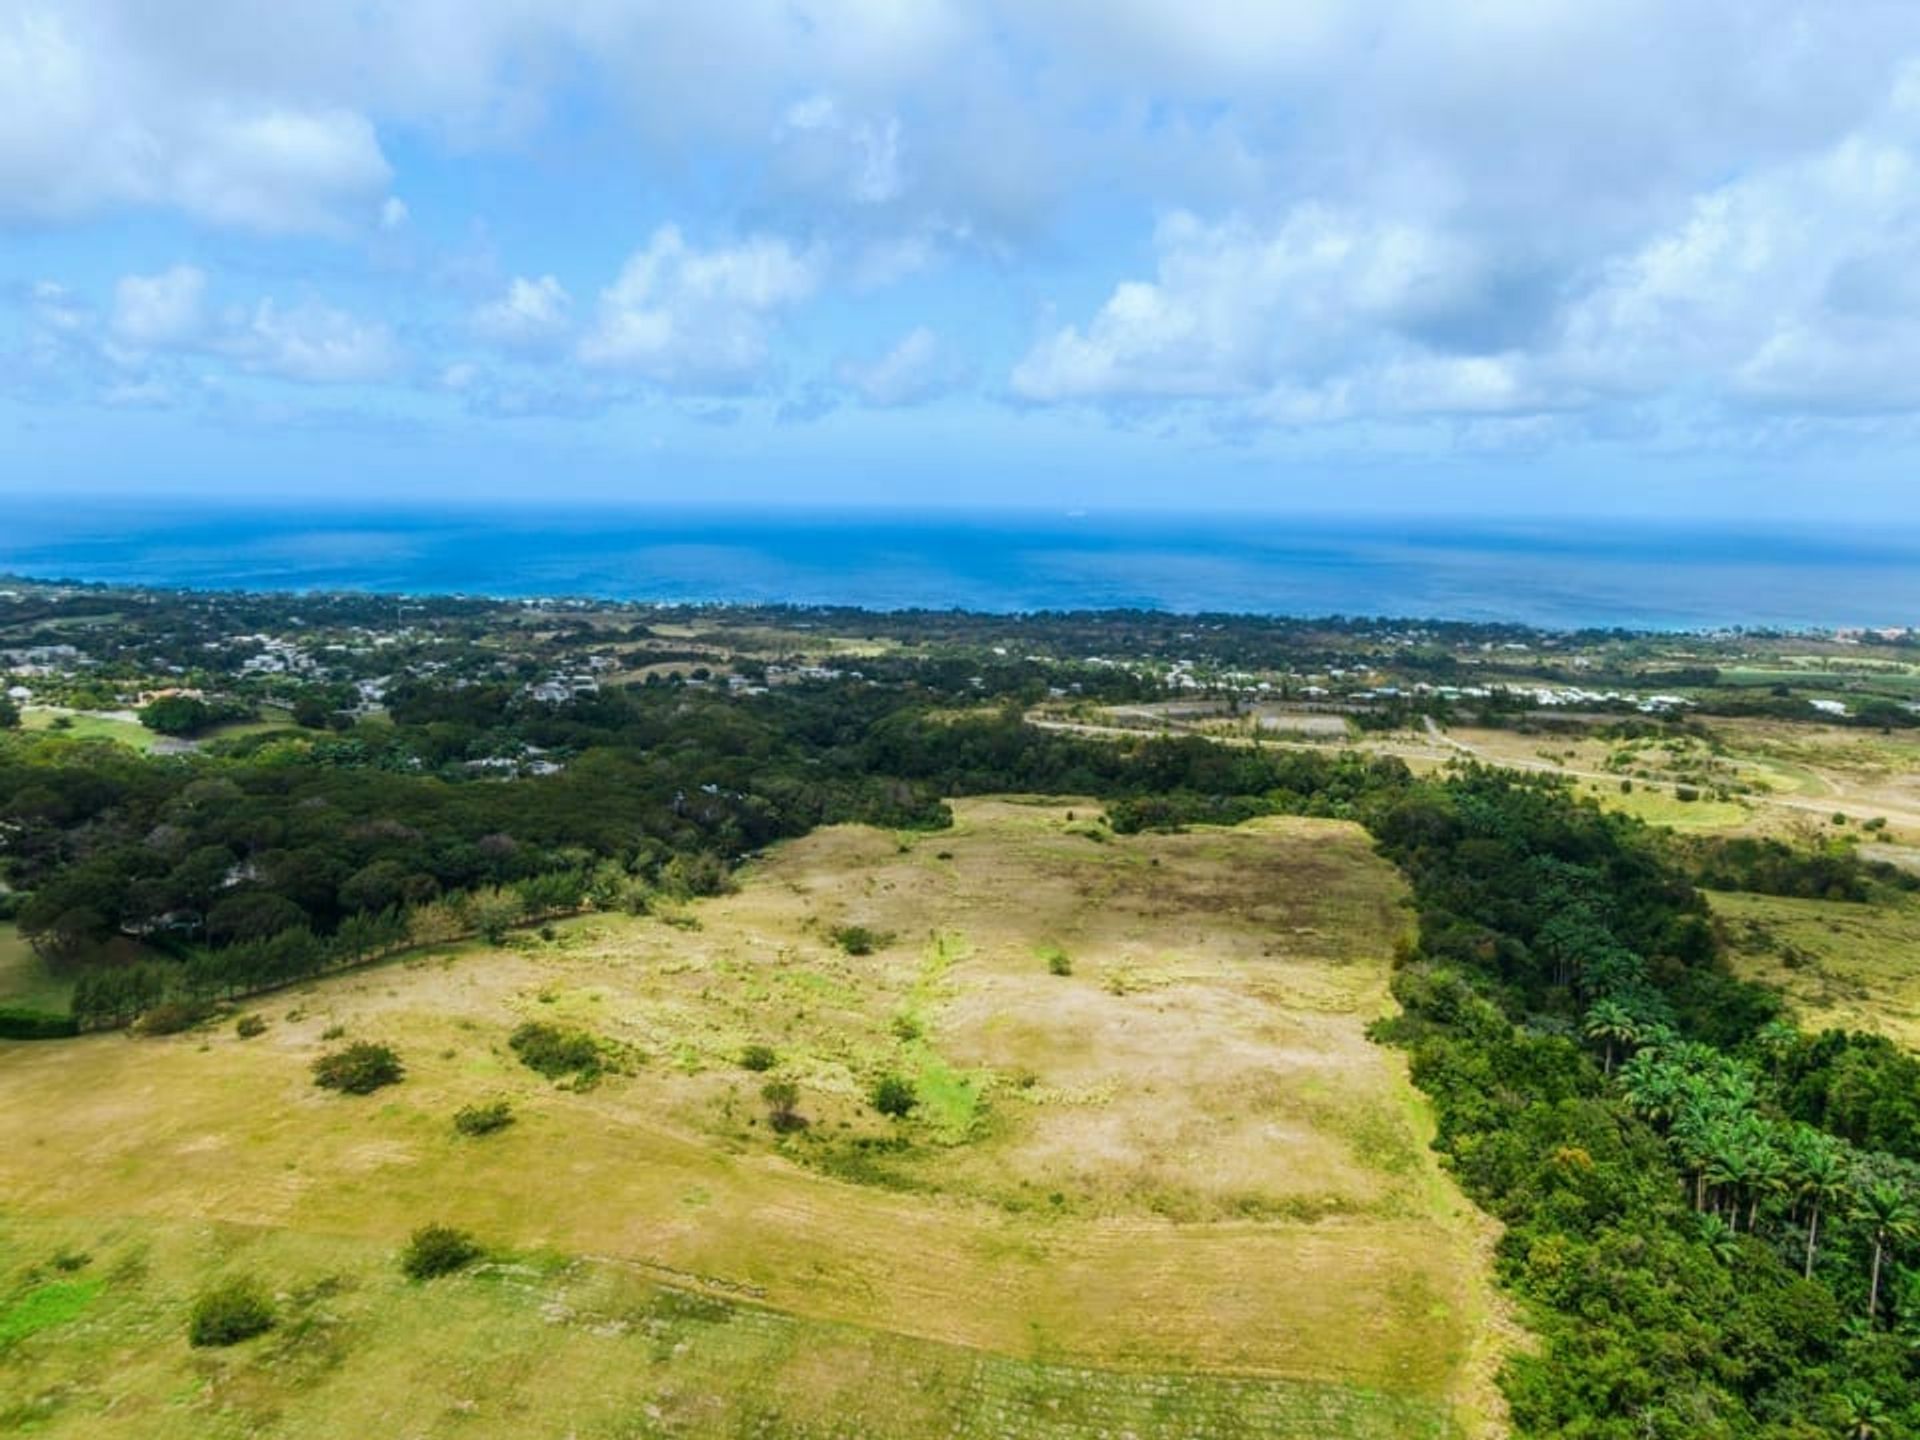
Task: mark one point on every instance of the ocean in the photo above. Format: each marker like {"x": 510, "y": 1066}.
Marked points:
{"x": 1559, "y": 574}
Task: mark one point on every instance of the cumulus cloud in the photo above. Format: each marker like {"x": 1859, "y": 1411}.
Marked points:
{"x": 1236, "y": 308}
{"x": 531, "y": 315}
{"x": 88, "y": 123}
{"x": 315, "y": 343}
{"x": 692, "y": 319}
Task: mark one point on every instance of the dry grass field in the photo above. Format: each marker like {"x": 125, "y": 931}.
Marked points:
{"x": 1856, "y": 966}
{"x": 1171, "y": 1192}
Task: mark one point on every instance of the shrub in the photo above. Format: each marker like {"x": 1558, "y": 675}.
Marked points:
{"x": 894, "y": 1097}
{"x": 19, "y": 1023}
{"x": 554, "y": 1050}
{"x": 438, "y": 1250}
{"x": 781, "y": 1097}
{"x": 858, "y": 939}
{"x": 1686, "y": 794}
{"x": 170, "y": 1017}
{"x": 758, "y": 1058}
{"x": 230, "y": 1313}
{"x": 248, "y": 1026}
{"x": 483, "y": 1119}
{"x": 360, "y": 1069}
{"x": 1058, "y": 962}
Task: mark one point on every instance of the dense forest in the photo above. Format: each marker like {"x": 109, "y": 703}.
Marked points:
{"x": 1707, "y": 1213}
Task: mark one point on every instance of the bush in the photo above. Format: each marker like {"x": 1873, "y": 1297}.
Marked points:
{"x": 894, "y": 1097}
{"x": 438, "y": 1250}
{"x": 18, "y": 1023}
{"x": 483, "y": 1119}
{"x": 1058, "y": 962}
{"x": 248, "y": 1026}
{"x": 858, "y": 939}
{"x": 781, "y": 1097}
{"x": 360, "y": 1069}
{"x": 554, "y": 1050}
{"x": 758, "y": 1058}
{"x": 170, "y": 1017}
{"x": 230, "y": 1313}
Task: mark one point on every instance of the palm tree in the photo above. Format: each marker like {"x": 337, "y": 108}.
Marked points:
{"x": 1776, "y": 1040}
{"x": 1768, "y": 1170}
{"x": 1886, "y": 1208}
{"x": 1820, "y": 1177}
{"x": 1719, "y": 1237}
{"x": 1611, "y": 1023}
{"x": 1861, "y": 1415}
{"x": 1651, "y": 1085}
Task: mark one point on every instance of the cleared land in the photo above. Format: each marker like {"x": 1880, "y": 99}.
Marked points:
{"x": 1172, "y": 1192}
{"x": 1856, "y": 966}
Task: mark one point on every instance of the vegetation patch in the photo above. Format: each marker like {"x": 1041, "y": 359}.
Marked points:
{"x": 229, "y": 1313}
{"x": 435, "y": 1250}
{"x": 557, "y": 1051}
{"x": 360, "y": 1069}
{"x": 483, "y": 1119}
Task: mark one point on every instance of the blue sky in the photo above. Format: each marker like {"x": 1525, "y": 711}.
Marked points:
{"x": 1474, "y": 259}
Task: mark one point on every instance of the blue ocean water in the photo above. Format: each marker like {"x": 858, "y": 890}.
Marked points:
{"x": 1551, "y": 574}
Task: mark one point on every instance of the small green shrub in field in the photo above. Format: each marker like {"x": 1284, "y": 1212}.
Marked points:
{"x": 894, "y": 1097}
{"x": 758, "y": 1058}
{"x": 483, "y": 1119}
{"x": 229, "y": 1313}
{"x": 360, "y": 1069}
{"x": 555, "y": 1050}
{"x": 859, "y": 940}
{"x": 438, "y": 1250}
{"x": 782, "y": 1096}
{"x": 248, "y": 1026}
{"x": 1058, "y": 961}
{"x": 170, "y": 1017}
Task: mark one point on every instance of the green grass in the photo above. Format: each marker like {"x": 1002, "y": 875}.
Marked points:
{"x": 1839, "y": 963}
{"x": 25, "y": 980}
{"x": 90, "y": 727}
{"x": 543, "y": 1344}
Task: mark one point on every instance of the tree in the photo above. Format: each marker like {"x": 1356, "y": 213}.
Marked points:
{"x": 1612, "y": 1024}
{"x": 1820, "y": 1178}
{"x": 9, "y": 714}
{"x": 176, "y": 715}
{"x": 1888, "y": 1211}
{"x": 781, "y": 1097}
{"x": 894, "y": 1097}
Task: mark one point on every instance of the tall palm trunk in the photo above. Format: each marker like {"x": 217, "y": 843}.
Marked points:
{"x": 1873, "y": 1289}
{"x": 1813, "y": 1235}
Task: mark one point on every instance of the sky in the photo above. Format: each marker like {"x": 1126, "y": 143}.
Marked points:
{"x": 1474, "y": 259}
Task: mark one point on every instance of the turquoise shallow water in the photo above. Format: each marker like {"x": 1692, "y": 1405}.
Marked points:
{"x": 1560, "y": 574}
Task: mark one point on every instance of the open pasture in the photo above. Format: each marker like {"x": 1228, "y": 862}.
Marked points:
{"x": 1156, "y": 1181}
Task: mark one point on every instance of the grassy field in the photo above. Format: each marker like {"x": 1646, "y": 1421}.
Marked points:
{"x": 1850, "y": 965}
{"x": 1173, "y": 1191}
{"x": 24, "y": 977}
{"x": 83, "y": 725}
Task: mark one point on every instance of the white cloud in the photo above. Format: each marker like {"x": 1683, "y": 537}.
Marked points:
{"x": 161, "y": 310}
{"x": 915, "y": 370}
{"x": 393, "y": 213}
{"x": 314, "y": 343}
{"x": 697, "y": 319}
{"x": 532, "y": 314}
{"x": 1235, "y": 308}
{"x": 90, "y": 121}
